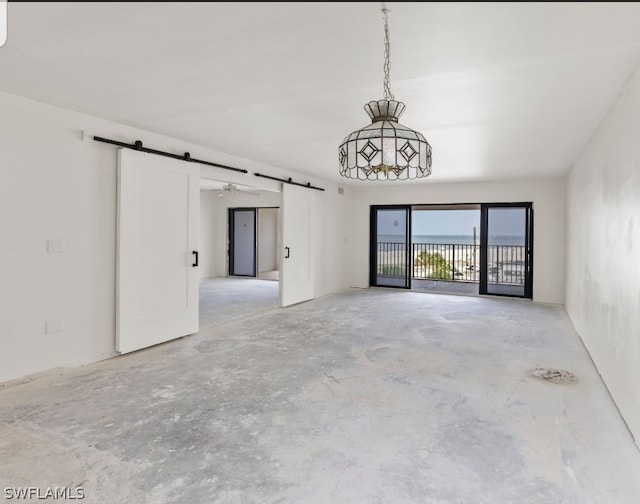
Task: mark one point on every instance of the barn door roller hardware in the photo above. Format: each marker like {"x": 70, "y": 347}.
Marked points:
{"x": 139, "y": 147}
{"x": 289, "y": 181}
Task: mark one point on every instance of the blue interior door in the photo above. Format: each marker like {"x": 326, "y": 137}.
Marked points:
{"x": 242, "y": 241}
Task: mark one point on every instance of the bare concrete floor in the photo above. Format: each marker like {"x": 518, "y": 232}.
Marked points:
{"x": 368, "y": 396}
{"x": 225, "y": 299}
{"x": 444, "y": 287}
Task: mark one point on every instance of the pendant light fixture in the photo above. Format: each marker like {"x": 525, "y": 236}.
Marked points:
{"x": 385, "y": 149}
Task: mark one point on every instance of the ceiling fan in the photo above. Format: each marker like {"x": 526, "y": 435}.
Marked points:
{"x": 230, "y": 189}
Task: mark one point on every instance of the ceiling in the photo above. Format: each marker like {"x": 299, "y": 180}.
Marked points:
{"x": 500, "y": 90}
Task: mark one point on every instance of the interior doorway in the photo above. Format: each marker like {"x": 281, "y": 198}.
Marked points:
{"x": 254, "y": 242}
{"x": 224, "y": 296}
{"x": 468, "y": 249}
{"x": 243, "y": 255}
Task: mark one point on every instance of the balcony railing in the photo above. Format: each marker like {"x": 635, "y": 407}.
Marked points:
{"x": 453, "y": 262}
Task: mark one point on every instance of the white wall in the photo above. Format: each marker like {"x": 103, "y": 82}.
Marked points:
{"x": 209, "y": 233}
{"x": 54, "y": 185}
{"x": 603, "y": 251}
{"x": 268, "y": 248}
{"x": 547, "y": 196}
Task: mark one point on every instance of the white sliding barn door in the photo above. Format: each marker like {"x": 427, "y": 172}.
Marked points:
{"x": 157, "y": 282}
{"x": 296, "y": 276}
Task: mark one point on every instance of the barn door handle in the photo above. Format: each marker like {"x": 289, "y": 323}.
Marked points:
{"x": 195, "y": 253}
{"x": 287, "y": 253}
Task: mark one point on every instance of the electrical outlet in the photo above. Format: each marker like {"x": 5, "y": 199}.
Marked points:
{"x": 53, "y": 326}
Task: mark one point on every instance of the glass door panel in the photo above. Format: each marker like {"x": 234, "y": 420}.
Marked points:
{"x": 506, "y": 249}
{"x": 390, "y": 246}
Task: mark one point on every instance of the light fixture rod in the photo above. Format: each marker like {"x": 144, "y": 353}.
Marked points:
{"x": 388, "y": 95}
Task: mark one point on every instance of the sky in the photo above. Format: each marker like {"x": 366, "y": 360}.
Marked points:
{"x": 502, "y": 221}
{"x": 445, "y": 222}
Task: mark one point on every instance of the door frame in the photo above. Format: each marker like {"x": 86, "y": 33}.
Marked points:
{"x": 231, "y": 251}
{"x": 482, "y": 285}
{"x": 528, "y": 253}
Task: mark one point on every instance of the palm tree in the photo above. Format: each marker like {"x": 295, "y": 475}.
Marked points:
{"x": 436, "y": 264}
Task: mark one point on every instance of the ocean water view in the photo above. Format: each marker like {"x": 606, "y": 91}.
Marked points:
{"x": 453, "y": 239}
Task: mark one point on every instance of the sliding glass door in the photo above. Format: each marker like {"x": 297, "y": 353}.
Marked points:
{"x": 390, "y": 248}
{"x": 506, "y": 249}
{"x": 505, "y": 266}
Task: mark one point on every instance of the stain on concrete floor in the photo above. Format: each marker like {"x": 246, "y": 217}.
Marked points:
{"x": 554, "y": 375}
